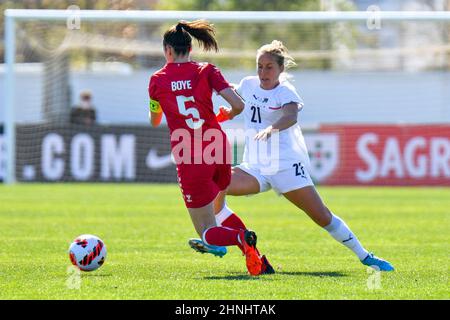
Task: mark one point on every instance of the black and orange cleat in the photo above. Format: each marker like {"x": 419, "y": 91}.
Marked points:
{"x": 253, "y": 261}
{"x": 266, "y": 267}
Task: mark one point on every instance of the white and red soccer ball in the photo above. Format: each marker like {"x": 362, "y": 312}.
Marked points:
{"x": 87, "y": 252}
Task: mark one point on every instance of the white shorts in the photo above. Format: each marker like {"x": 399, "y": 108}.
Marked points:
{"x": 283, "y": 181}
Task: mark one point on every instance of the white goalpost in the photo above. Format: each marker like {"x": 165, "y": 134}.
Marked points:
{"x": 371, "y": 19}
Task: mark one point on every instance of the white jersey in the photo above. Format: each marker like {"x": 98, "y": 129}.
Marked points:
{"x": 262, "y": 109}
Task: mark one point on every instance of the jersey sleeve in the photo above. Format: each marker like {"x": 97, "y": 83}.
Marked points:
{"x": 288, "y": 94}
{"x": 216, "y": 79}
{"x": 240, "y": 87}
{"x": 152, "y": 93}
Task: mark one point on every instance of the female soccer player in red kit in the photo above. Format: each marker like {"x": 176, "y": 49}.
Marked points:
{"x": 182, "y": 90}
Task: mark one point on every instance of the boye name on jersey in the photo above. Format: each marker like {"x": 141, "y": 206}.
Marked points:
{"x": 181, "y": 85}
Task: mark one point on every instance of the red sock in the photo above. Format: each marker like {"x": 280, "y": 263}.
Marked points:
{"x": 235, "y": 222}
{"x": 222, "y": 236}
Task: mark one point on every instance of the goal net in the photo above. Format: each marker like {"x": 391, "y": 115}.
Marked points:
{"x": 376, "y": 91}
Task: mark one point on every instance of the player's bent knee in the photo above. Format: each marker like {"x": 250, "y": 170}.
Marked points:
{"x": 242, "y": 183}
{"x": 324, "y": 217}
{"x": 242, "y": 191}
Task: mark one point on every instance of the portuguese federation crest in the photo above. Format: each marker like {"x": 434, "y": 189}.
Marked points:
{"x": 323, "y": 150}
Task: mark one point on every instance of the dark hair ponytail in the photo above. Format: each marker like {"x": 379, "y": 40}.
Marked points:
{"x": 179, "y": 36}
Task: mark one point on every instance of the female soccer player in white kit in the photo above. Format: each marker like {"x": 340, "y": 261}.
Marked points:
{"x": 276, "y": 155}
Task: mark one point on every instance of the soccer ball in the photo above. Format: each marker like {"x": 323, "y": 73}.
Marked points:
{"x": 87, "y": 252}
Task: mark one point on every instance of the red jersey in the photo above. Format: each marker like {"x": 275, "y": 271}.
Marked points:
{"x": 184, "y": 92}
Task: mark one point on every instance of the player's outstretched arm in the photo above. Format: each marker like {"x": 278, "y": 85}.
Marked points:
{"x": 235, "y": 101}
{"x": 289, "y": 117}
{"x": 287, "y": 120}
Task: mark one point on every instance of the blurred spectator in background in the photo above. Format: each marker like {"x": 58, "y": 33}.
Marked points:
{"x": 84, "y": 113}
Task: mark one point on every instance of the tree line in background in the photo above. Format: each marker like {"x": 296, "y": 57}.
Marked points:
{"x": 65, "y": 4}
{"x": 316, "y": 45}
{"x": 249, "y": 36}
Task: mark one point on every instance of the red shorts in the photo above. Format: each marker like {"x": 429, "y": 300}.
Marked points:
{"x": 200, "y": 183}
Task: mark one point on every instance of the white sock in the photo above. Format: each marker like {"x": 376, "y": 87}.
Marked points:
{"x": 223, "y": 215}
{"x": 342, "y": 233}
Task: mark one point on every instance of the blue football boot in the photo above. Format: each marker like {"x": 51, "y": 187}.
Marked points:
{"x": 377, "y": 263}
{"x": 199, "y": 246}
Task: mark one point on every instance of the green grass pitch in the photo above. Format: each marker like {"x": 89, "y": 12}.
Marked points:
{"x": 146, "y": 228}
